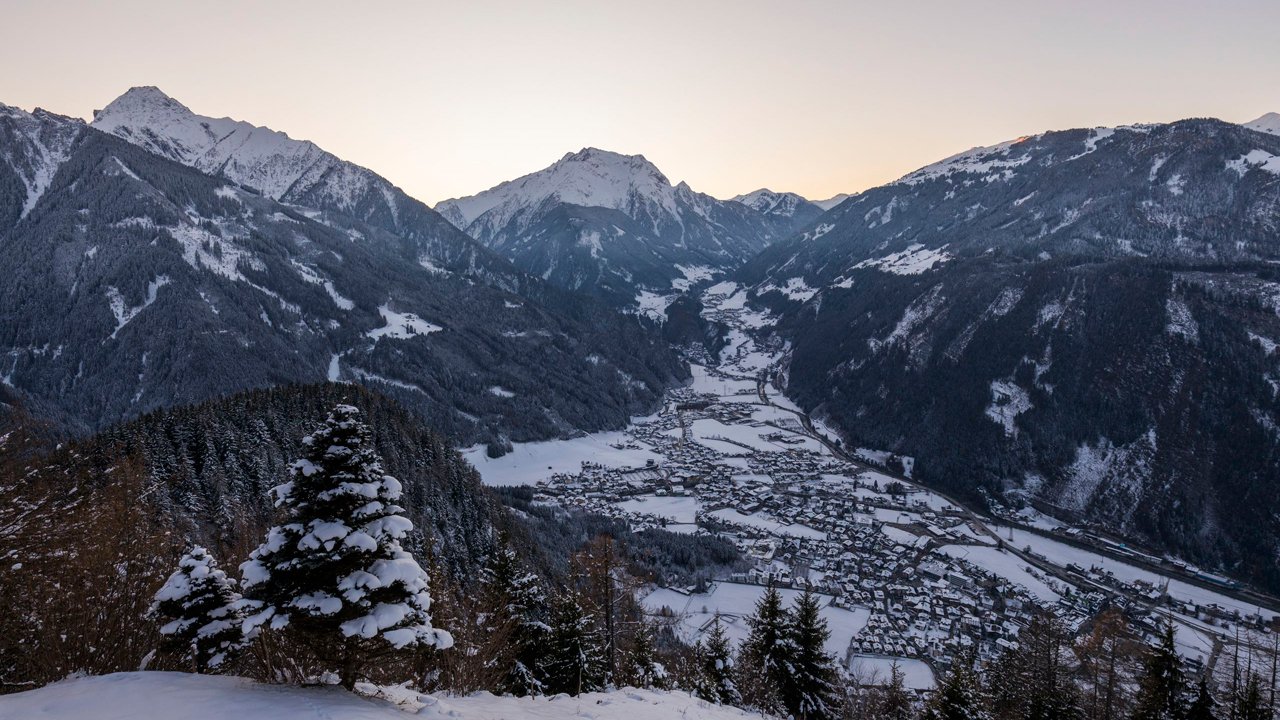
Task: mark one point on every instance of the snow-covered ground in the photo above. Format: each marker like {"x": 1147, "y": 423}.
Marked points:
{"x": 531, "y": 462}
{"x": 1006, "y": 565}
{"x": 763, "y": 522}
{"x": 674, "y": 508}
{"x": 1063, "y": 554}
{"x": 735, "y": 602}
{"x": 184, "y": 696}
{"x": 875, "y": 669}
{"x": 400, "y": 326}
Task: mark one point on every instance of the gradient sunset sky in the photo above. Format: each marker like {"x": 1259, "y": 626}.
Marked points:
{"x": 821, "y": 97}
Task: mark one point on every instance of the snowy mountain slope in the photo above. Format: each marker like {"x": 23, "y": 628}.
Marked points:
{"x": 611, "y": 225}
{"x": 184, "y": 696}
{"x": 295, "y": 172}
{"x": 783, "y": 205}
{"x": 1269, "y": 123}
{"x": 1083, "y": 318}
{"x": 1191, "y": 190}
{"x": 136, "y": 282}
{"x": 33, "y": 146}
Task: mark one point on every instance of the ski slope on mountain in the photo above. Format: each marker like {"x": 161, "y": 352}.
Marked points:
{"x": 184, "y": 696}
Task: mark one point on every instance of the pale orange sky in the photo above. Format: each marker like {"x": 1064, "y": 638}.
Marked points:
{"x": 448, "y": 99}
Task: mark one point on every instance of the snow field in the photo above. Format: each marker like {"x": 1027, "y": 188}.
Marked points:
{"x": 185, "y": 696}
{"x": 528, "y": 463}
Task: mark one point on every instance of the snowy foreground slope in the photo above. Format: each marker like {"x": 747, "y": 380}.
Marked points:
{"x": 183, "y": 696}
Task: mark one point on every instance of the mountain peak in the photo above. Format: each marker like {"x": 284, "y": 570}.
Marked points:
{"x": 590, "y": 177}
{"x": 1268, "y": 123}
{"x": 139, "y": 99}
{"x": 607, "y": 162}
{"x": 769, "y": 202}
{"x": 266, "y": 160}
{"x": 589, "y": 153}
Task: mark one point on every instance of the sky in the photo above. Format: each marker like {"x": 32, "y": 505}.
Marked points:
{"x": 811, "y": 96}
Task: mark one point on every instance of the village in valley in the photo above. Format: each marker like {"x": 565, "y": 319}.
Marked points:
{"x": 909, "y": 578}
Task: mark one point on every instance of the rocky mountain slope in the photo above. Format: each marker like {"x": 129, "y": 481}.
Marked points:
{"x": 293, "y": 172}
{"x": 138, "y": 282}
{"x": 1085, "y": 319}
{"x": 613, "y": 226}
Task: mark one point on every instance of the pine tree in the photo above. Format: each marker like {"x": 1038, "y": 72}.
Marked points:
{"x": 1248, "y": 703}
{"x": 715, "y": 681}
{"x": 959, "y": 698}
{"x": 1163, "y": 692}
{"x": 1035, "y": 680}
{"x": 202, "y": 606}
{"x": 517, "y": 607}
{"x": 895, "y": 703}
{"x": 1203, "y": 707}
{"x": 810, "y": 690}
{"x": 640, "y": 666}
{"x": 766, "y": 653}
{"x": 574, "y": 662}
{"x": 334, "y": 572}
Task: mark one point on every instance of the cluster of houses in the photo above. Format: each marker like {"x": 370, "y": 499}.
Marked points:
{"x": 807, "y": 519}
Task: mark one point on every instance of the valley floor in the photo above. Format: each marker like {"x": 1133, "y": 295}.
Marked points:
{"x": 184, "y": 696}
{"x": 908, "y": 575}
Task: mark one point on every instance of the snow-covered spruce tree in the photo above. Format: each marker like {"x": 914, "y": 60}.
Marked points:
{"x": 1248, "y": 702}
{"x": 1204, "y": 707}
{"x": 200, "y": 603}
{"x": 894, "y": 703}
{"x": 574, "y": 661}
{"x": 765, "y": 660}
{"x": 960, "y": 697}
{"x": 715, "y": 682}
{"x": 334, "y": 572}
{"x": 517, "y": 607}
{"x": 1163, "y": 691}
{"x": 810, "y": 690}
{"x": 640, "y": 666}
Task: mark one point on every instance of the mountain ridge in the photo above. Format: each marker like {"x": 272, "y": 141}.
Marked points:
{"x": 1079, "y": 319}
{"x": 612, "y": 225}
{"x": 138, "y": 282}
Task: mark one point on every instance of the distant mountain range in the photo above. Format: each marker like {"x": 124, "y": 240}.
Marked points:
{"x": 1085, "y": 319}
{"x": 613, "y": 226}
{"x": 207, "y": 256}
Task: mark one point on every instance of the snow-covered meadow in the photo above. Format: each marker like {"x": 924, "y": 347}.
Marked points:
{"x": 184, "y": 696}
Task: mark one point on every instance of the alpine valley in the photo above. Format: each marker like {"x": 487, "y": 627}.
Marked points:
{"x": 999, "y": 440}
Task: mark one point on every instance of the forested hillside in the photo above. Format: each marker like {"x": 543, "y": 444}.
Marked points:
{"x": 139, "y": 283}
{"x": 1082, "y": 319}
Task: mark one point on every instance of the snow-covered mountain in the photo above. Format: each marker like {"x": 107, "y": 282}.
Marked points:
{"x": 34, "y": 146}
{"x": 784, "y": 205}
{"x": 294, "y": 172}
{"x": 1086, "y": 318}
{"x": 612, "y": 225}
{"x": 1269, "y": 123}
{"x": 134, "y": 282}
